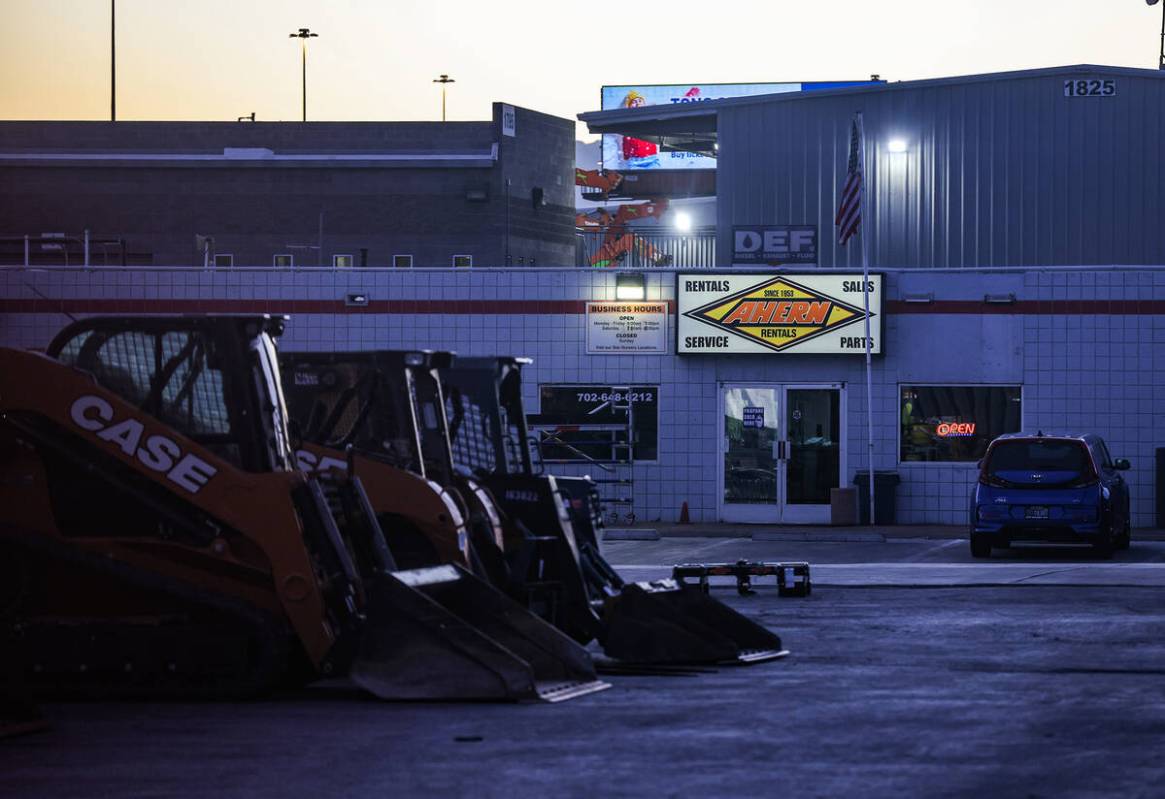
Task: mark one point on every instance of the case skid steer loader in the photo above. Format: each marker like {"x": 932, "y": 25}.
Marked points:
{"x": 156, "y": 538}
{"x": 388, "y": 409}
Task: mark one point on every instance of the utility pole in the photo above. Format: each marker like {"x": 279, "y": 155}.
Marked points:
{"x": 112, "y": 60}
{"x": 303, "y": 35}
{"x": 443, "y": 80}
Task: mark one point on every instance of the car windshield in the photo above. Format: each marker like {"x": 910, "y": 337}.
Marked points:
{"x": 1050, "y": 460}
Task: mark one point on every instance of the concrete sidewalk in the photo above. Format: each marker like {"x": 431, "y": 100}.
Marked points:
{"x": 805, "y": 532}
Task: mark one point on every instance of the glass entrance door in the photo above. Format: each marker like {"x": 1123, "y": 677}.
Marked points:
{"x": 749, "y": 454}
{"x": 780, "y": 453}
{"x": 810, "y": 453}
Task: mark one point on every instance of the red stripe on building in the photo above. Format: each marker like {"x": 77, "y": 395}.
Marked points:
{"x": 537, "y": 307}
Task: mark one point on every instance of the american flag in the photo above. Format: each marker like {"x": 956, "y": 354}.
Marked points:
{"x": 849, "y": 213}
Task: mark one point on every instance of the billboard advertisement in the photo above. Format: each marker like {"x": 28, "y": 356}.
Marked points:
{"x": 771, "y": 313}
{"x": 628, "y": 154}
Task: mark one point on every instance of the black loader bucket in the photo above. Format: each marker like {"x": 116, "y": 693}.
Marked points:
{"x": 440, "y": 633}
{"x": 19, "y": 715}
{"x": 662, "y": 622}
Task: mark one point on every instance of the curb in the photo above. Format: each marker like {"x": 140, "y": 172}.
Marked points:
{"x": 630, "y": 534}
{"x": 832, "y": 538}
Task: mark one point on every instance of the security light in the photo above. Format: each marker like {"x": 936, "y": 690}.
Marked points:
{"x": 896, "y": 145}
{"x": 630, "y": 286}
{"x": 683, "y": 221}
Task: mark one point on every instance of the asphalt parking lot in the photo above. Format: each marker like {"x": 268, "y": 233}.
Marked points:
{"x": 914, "y": 670}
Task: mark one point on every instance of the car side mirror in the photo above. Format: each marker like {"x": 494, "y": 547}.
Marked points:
{"x": 1121, "y": 464}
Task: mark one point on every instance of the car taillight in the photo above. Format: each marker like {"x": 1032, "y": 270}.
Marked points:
{"x": 994, "y": 512}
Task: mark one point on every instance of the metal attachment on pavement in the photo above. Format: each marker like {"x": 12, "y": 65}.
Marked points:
{"x": 792, "y": 578}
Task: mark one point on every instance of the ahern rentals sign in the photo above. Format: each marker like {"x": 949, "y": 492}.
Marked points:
{"x": 737, "y": 313}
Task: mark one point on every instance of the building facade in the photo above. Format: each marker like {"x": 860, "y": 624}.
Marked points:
{"x": 421, "y": 194}
{"x": 1018, "y": 283}
{"x": 1067, "y": 349}
{"x": 1059, "y": 166}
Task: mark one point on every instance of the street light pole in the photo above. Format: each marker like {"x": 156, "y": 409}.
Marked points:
{"x": 443, "y": 80}
{"x": 303, "y": 35}
{"x": 112, "y": 60}
{"x": 1161, "y": 58}
{"x": 1161, "y": 61}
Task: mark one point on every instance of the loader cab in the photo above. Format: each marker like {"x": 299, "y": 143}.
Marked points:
{"x": 486, "y": 423}
{"x": 208, "y": 377}
{"x": 385, "y": 404}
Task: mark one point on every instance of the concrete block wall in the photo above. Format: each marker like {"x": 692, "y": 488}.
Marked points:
{"x": 1087, "y": 347}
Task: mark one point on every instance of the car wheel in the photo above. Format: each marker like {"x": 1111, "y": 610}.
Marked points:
{"x": 1103, "y": 549}
{"x": 980, "y": 547}
{"x": 1126, "y": 536}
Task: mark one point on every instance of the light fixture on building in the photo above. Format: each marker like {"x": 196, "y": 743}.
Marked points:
{"x": 921, "y": 299}
{"x": 630, "y": 286}
{"x": 683, "y": 221}
{"x": 356, "y": 300}
{"x": 999, "y": 299}
{"x": 896, "y": 145}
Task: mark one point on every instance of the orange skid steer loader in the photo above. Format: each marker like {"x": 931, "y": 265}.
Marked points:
{"x": 388, "y": 410}
{"x": 156, "y": 538}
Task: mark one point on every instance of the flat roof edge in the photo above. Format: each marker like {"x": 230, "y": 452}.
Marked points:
{"x": 709, "y": 108}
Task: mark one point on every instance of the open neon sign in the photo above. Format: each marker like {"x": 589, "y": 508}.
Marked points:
{"x": 954, "y": 429}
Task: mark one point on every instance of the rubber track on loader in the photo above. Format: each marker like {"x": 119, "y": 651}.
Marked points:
{"x": 214, "y": 647}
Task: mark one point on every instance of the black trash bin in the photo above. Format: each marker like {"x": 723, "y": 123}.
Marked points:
{"x": 885, "y": 496}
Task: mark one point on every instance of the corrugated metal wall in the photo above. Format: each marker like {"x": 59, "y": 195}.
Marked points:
{"x": 1005, "y": 172}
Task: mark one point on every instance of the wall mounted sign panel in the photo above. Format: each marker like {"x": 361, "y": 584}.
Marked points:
{"x": 777, "y": 313}
{"x": 774, "y": 244}
{"x": 627, "y": 328}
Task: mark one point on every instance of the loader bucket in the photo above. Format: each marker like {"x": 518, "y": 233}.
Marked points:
{"x": 440, "y": 633}
{"x": 662, "y": 622}
{"x": 19, "y": 715}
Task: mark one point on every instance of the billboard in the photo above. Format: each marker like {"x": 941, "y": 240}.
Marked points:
{"x": 628, "y": 154}
{"x": 770, "y": 313}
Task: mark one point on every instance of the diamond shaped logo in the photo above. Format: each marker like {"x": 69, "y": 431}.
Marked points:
{"x": 779, "y": 313}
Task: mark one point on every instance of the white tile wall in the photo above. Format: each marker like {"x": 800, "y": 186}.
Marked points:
{"x": 1101, "y": 373}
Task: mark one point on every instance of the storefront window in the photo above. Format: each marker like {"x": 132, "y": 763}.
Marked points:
{"x": 601, "y": 414}
{"x": 955, "y": 423}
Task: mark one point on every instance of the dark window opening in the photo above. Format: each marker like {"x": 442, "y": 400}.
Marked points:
{"x": 606, "y": 411}
{"x": 955, "y": 423}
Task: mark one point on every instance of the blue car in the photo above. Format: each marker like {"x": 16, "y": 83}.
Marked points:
{"x": 1055, "y": 488}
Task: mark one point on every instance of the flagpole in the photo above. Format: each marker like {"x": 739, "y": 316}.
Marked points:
{"x": 867, "y": 218}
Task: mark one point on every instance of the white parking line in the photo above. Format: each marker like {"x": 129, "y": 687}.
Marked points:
{"x": 926, "y": 553}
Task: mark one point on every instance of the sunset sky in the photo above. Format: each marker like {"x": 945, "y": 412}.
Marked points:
{"x": 375, "y": 59}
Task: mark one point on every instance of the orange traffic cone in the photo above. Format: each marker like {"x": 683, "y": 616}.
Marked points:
{"x": 684, "y": 514}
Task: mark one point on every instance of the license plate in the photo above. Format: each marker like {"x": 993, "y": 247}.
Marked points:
{"x": 1036, "y": 512}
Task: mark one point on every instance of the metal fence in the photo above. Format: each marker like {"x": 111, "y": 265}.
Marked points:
{"x": 629, "y": 247}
